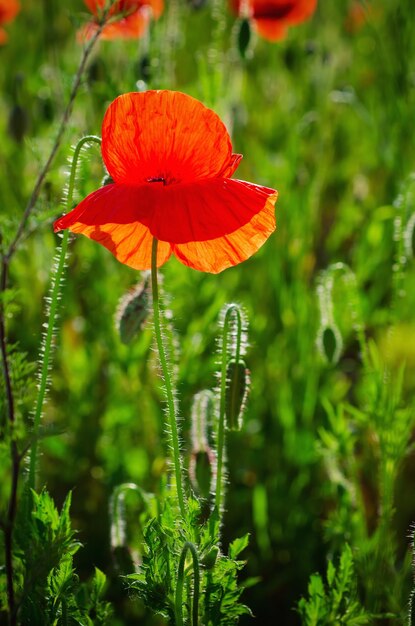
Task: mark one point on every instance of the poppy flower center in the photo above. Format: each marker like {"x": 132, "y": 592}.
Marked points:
{"x": 157, "y": 179}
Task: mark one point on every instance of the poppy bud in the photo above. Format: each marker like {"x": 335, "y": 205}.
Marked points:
{"x": 202, "y": 465}
{"x": 201, "y": 471}
{"x": 233, "y": 323}
{"x": 209, "y": 559}
{"x": 203, "y": 409}
{"x": 237, "y": 387}
{"x": 330, "y": 344}
{"x": 244, "y": 37}
{"x": 144, "y": 68}
{"x": 409, "y": 237}
{"x": 133, "y": 310}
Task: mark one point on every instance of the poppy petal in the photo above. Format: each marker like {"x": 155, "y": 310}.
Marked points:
{"x": 3, "y": 36}
{"x": 103, "y": 218}
{"x": 202, "y": 210}
{"x": 95, "y": 5}
{"x": 218, "y": 254}
{"x": 175, "y": 213}
{"x": 271, "y": 30}
{"x": 231, "y": 166}
{"x": 134, "y": 17}
{"x": 163, "y": 135}
{"x": 8, "y": 10}
{"x": 129, "y": 27}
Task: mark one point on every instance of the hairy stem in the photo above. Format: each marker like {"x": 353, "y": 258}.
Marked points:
{"x": 232, "y": 310}
{"x": 117, "y": 517}
{"x": 178, "y": 601}
{"x": 53, "y": 310}
{"x": 173, "y": 433}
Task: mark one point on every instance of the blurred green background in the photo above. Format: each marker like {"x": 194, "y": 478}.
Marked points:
{"x": 326, "y": 117}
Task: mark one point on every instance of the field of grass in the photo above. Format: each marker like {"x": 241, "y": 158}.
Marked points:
{"x": 322, "y": 473}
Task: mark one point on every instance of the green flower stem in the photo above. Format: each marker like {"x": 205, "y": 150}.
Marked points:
{"x": 231, "y": 310}
{"x": 174, "y": 437}
{"x": 188, "y": 546}
{"x": 54, "y": 305}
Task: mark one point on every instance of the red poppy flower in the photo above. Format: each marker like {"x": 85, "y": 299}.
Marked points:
{"x": 359, "y": 15}
{"x": 171, "y": 158}
{"x": 128, "y": 19}
{"x": 8, "y": 11}
{"x": 271, "y": 18}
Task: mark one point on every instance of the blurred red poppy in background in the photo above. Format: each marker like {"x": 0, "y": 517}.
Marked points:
{"x": 359, "y": 15}
{"x": 271, "y": 18}
{"x": 8, "y": 11}
{"x": 128, "y": 19}
{"x": 171, "y": 160}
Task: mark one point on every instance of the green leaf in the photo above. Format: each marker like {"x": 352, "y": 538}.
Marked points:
{"x": 238, "y": 545}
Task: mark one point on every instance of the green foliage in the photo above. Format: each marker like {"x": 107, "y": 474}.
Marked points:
{"x": 156, "y": 579}
{"x": 49, "y": 590}
{"x": 336, "y": 602}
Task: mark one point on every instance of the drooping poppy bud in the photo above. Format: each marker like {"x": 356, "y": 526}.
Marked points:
{"x": 237, "y": 388}
{"x": 244, "y": 37}
{"x": 133, "y": 310}
{"x": 202, "y": 413}
{"x": 202, "y": 464}
{"x": 209, "y": 559}
{"x": 234, "y": 375}
{"x": 201, "y": 471}
{"x": 330, "y": 343}
{"x": 144, "y": 68}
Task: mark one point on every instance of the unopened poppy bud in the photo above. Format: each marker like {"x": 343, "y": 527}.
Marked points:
{"x": 133, "y": 311}
{"x": 201, "y": 471}
{"x": 203, "y": 409}
{"x": 244, "y": 37}
{"x": 237, "y": 387}
{"x": 330, "y": 344}
{"x": 409, "y": 237}
{"x": 144, "y": 68}
{"x": 202, "y": 465}
{"x": 210, "y": 558}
